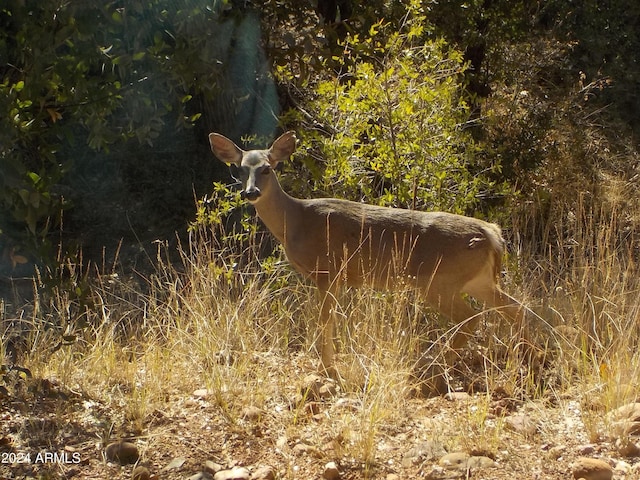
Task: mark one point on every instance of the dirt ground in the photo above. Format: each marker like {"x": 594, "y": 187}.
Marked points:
{"x": 50, "y": 431}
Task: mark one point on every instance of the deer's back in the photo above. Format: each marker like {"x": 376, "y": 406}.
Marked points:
{"x": 363, "y": 243}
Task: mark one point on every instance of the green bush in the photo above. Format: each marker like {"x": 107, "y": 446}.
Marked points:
{"x": 81, "y": 77}
{"x": 391, "y": 130}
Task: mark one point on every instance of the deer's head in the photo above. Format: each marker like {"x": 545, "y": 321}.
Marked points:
{"x": 253, "y": 168}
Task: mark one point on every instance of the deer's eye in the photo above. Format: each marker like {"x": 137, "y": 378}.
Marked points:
{"x": 266, "y": 170}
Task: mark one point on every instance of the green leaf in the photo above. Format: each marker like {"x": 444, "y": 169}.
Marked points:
{"x": 34, "y": 177}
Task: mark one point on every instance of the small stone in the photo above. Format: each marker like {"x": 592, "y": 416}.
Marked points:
{"x": 591, "y": 469}
{"x": 521, "y": 424}
{"x": 281, "y": 442}
{"x": 252, "y": 413}
{"x": 122, "y": 452}
{"x": 331, "y": 471}
{"x": 627, "y": 448}
{"x": 327, "y": 391}
{"x": 622, "y": 468}
{"x": 480, "y": 462}
{"x": 457, "y": 396}
{"x": 306, "y": 449}
{"x": 393, "y": 476}
{"x": 236, "y": 473}
{"x": 264, "y": 473}
{"x": 175, "y": 464}
{"x": 201, "y": 393}
{"x": 201, "y": 476}
{"x": 424, "y": 451}
{"x": 141, "y": 473}
{"x": 625, "y": 420}
{"x": 212, "y": 467}
{"x": 585, "y": 450}
{"x": 455, "y": 460}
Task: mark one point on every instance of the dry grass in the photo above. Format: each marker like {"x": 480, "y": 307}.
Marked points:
{"x": 242, "y": 328}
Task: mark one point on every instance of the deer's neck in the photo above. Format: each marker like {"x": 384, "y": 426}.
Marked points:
{"x": 279, "y": 211}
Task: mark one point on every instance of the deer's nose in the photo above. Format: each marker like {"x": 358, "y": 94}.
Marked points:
{"x": 251, "y": 193}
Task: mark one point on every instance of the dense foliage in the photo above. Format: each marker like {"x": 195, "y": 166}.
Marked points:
{"x": 416, "y": 104}
{"x": 81, "y": 77}
{"x": 397, "y": 130}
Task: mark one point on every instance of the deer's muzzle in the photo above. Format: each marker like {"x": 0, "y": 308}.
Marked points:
{"x": 251, "y": 194}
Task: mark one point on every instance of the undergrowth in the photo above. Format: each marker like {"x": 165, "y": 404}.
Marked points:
{"x": 238, "y": 324}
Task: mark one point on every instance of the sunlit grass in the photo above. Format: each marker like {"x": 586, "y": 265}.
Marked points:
{"x": 242, "y": 328}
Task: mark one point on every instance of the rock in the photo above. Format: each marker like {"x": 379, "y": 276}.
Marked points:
{"x": 252, "y": 413}
{"x": 480, "y": 462}
{"x": 282, "y": 442}
{"x": 201, "y": 393}
{"x": 175, "y": 464}
{"x": 328, "y": 391}
{"x": 122, "y": 452}
{"x": 315, "y": 388}
{"x": 306, "y": 449}
{"x": 591, "y": 469}
{"x": 457, "y": 396}
{"x": 264, "y": 473}
{"x": 393, "y": 476}
{"x": 140, "y": 473}
{"x": 201, "y": 476}
{"x": 464, "y": 461}
{"x": 212, "y": 467}
{"x": 627, "y": 448}
{"x": 455, "y": 460}
{"x": 424, "y": 451}
{"x": 622, "y": 468}
{"x": 236, "y": 473}
{"x": 587, "y": 449}
{"x": 522, "y": 424}
{"x": 331, "y": 471}
{"x": 625, "y": 420}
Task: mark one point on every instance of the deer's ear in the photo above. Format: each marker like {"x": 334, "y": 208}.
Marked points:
{"x": 282, "y": 148}
{"x": 226, "y": 151}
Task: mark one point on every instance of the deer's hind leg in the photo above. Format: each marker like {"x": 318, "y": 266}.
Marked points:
{"x": 493, "y": 297}
{"x": 464, "y": 321}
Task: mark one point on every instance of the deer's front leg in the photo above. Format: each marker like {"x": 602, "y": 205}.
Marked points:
{"x": 325, "y": 343}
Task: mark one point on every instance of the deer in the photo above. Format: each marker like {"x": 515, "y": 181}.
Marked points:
{"x": 339, "y": 243}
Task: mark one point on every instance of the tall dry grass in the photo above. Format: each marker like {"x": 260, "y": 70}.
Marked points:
{"x": 225, "y": 318}
{"x": 580, "y": 268}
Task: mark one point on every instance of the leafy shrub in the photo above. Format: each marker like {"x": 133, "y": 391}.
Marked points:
{"x": 86, "y": 77}
{"x": 391, "y": 129}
